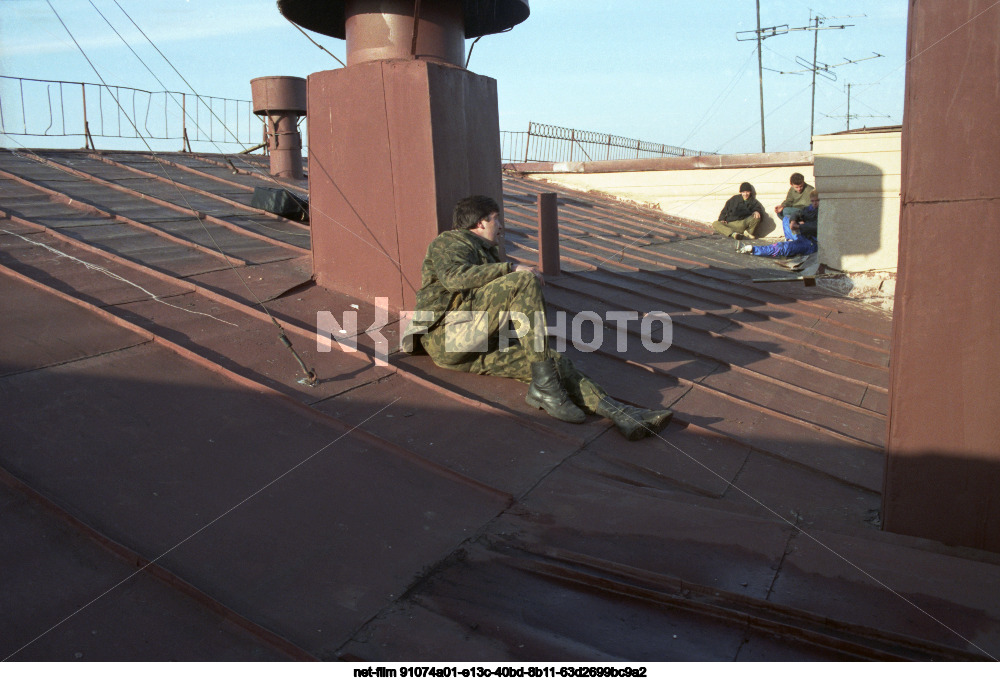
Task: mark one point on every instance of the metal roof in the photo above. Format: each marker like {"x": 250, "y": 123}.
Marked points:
{"x": 173, "y": 491}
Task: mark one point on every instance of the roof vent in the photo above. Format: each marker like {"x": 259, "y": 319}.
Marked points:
{"x": 398, "y": 29}
{"x": 282, "y": 100}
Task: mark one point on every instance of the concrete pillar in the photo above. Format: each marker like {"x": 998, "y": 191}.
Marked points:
{"x": 942, "y": 472}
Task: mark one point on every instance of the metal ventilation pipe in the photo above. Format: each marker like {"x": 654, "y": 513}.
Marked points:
{"x": 434, "y": 30}
{"x": 282, "y": 100}
{"x": 385, "y": 29}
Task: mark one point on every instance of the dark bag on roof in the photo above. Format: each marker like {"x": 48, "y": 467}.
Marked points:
{"x": 281, "y": 202}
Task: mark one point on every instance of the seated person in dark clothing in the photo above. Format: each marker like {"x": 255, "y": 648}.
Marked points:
{"x": 741, "y": 214}
{"x": 803, "y": 229}
{"x": 806, "y": 222}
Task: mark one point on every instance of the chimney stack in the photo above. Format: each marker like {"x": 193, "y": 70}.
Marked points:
{"x": 282, "y": 100}
{"x": 397, "y": 136}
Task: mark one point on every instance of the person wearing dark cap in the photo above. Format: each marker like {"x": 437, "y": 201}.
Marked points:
{"x": 467, "y": 294}
{"x": 741, "y": 214}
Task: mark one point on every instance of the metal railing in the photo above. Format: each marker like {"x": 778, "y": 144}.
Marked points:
{"x": 550, "y": 143}
{"x": 35, "y": 108}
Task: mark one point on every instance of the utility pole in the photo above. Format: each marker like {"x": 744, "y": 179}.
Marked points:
{"x": 815, "y": 67}
{"x": 812, "y": 108}
{"x": 760, "y": 35}
{"x": 850, "y": 116}
{"x": 847, "y": 122}
{"x": 760, "y": 78}
{"x": 815, "y": 25}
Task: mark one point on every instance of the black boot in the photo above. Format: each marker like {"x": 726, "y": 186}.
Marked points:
{"x": 547, "y": 392}
{"x": 634, "y": 423}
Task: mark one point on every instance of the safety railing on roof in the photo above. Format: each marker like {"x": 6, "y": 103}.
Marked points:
{"x": 550, "y": 143}
{"x": 34, "y": 108}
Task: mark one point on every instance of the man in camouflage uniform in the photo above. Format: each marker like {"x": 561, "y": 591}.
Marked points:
{"x": 468, "y": 296}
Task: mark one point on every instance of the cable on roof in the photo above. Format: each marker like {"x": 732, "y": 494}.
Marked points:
{"x": 806, "y": 533}
{"x": 113, "y": 275}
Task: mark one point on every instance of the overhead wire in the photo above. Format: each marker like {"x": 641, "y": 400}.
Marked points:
{"x": 671, "y": 444}
{"x": 166, "y": 91}
{"x": 179, "y": 74}
{"x": 935, "y": 44}
{"x": 239, "y": 158}
{"x": 311, "y": 378}
{"x": 242, "y": 161}
{"x": 720, "y": 98}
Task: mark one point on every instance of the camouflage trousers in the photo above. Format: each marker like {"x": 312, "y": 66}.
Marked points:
{"x": 475, "y": 336}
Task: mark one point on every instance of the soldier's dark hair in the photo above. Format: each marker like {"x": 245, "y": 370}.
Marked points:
{"x": 797, "y": 179}
{"x": 470, "y": 210}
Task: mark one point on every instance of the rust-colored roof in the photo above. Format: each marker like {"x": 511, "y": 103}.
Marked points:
{"x": 174, "y": 491}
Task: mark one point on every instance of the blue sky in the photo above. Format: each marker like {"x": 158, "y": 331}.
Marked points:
{"x": 666, "y": 71}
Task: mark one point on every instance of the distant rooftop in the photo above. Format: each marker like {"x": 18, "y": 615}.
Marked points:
{"x": 882, "y": 128}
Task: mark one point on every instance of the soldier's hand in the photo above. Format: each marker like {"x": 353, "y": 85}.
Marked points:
{"x": 533, "y": 270}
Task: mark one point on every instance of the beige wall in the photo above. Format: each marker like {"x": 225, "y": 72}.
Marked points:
{"x": 694, "y": 193}
{"x": 858, "y": 175}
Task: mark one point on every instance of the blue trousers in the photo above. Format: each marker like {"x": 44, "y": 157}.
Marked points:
{"x": 785, "y": 226}
{"x": 787, "y": 215}
{"x": 800, "y": 245}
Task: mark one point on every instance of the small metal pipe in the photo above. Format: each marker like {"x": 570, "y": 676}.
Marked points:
{"x": 548, "y": 234}
{"x": 281, "y": 100}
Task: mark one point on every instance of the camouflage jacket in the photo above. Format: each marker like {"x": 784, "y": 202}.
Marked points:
{"x": 457, "y": 261}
